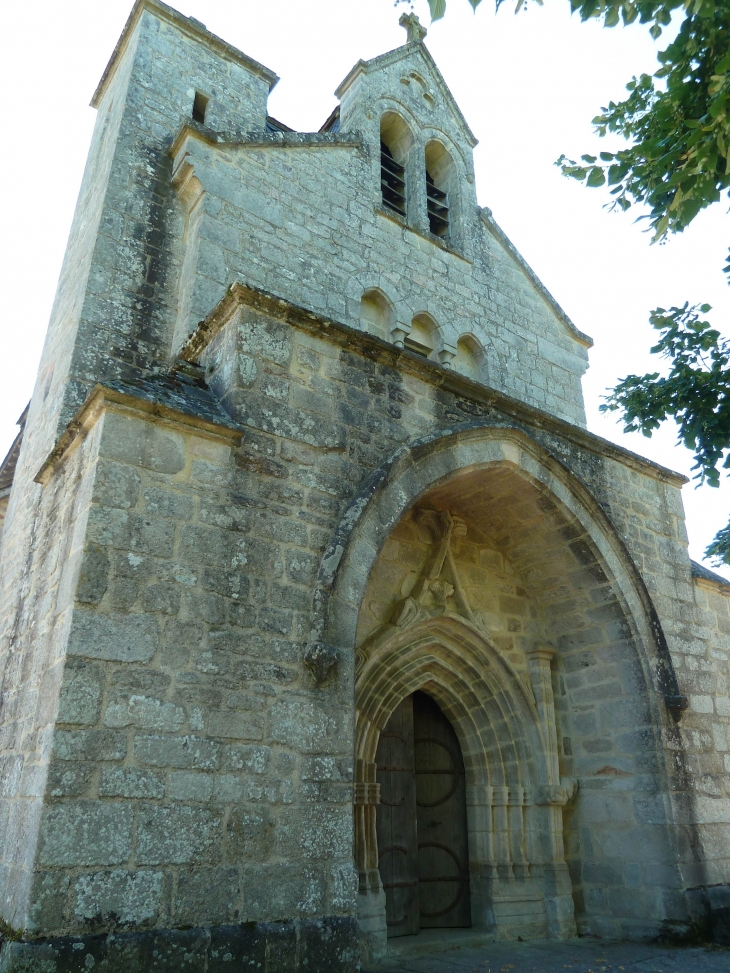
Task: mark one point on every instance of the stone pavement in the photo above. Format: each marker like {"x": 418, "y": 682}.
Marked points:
{"x": 576, "y": 956}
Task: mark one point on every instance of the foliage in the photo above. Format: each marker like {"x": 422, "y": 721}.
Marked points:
{"x": 9, "y": 933}
{"x": 695, "y": 392}
{"x": 677, "y": 128}
{"x": 677, "y": 123}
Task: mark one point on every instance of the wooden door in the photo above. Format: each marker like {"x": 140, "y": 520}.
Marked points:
{"x": 443, "y": 851}
{"x": 396, "y": 822}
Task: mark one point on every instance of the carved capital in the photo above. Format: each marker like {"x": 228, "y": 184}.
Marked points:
{"x": 320, "y": 658}
{"x": 366, "y": 793}
{"x": 541, "y": 653}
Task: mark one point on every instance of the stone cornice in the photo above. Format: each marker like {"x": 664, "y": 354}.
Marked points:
{"x": 239, "y": 138}
{"x": 243, "y": 295}
{"x": 188, "y": 25}
{"x": 101, "y": 398}
{"x": 704, "y": 577}
{"x": 498, "y": 233}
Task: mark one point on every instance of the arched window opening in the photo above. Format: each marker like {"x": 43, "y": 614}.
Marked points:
{"x": 439, "y": 171}
{"x": 375, "y": 314}
{"x": 422, "y": 337}
{"x": 396, "y": 141}
{"x": 469, "y": 357}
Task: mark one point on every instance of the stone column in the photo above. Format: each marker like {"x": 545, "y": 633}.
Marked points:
{"x": 550, "y": 799}
{"x": 500, "y": 830}
{"x": 371, "y": 897}
{"x": 482, "y": 866}
{"x": 517, "y": 832}
{"x": 539, "y": 660}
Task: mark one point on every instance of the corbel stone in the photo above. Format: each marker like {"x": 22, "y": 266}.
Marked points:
{"x": 557, "y": 795}
{"x": 320, "y": 658}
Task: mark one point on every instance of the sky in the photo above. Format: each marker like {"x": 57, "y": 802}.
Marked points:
{"x": 528, "y": 84}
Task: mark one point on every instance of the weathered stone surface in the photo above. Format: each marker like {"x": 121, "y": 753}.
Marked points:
{"x": 178, "y": 748}
{"x": 250, "y": 835}
{"x": 81, "y": 694}
{"x": 121, "y": 638}
{"x": 177, "y": 835}
{"x": 307, "y": 725}
{"x": 86, "y": 833}
{"x": 118, "y": 898}
{"x": 169, "y": 751}
{"x": 272, "y": 947}
{"x": 132, "y": 782}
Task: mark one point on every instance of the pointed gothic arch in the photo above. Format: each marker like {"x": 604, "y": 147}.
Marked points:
{"x": 557, "y": 536}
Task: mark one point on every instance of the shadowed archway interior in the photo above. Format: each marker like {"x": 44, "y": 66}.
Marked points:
{"x": 492, "y": 598}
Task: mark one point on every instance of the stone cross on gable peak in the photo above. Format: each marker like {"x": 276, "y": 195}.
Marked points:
{"x": 414, "y": 28}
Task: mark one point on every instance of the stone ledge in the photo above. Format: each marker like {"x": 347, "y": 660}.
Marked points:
{"x": 703, "y": 576}
{"x": 264, "y": 139}
{"x": 326, "y": 945}
{"x": 245, "y": 295}
{"x": 437, "y": 241}
{"x": 149, "y": 399}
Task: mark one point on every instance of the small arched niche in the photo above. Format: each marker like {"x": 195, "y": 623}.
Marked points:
{"x": 396, "y": 142}
{"x": 422, "y": 336}
{"x": 469, "y": 359}
{"x": 376, "y": 314}
{"x": 440, "y": 171}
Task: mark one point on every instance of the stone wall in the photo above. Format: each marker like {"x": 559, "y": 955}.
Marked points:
{"x": 185, "y": 565}
{"x": 268, "y": 238}
{"x": 193, "y": 761}
{"x": 196, "y": 757}
{"x": 37, "y": 614}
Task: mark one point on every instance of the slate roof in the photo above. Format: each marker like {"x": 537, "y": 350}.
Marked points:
{"x": 700, "y": 571}
{"x": 7, "y": 467}
{"x": 183, "y": 390}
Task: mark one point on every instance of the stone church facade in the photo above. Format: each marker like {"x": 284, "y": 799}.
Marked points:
{"x": 324, "y": 619}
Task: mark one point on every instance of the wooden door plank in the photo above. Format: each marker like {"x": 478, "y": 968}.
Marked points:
{"x": 443, "y": 858}
{"x": 396, "y": 823}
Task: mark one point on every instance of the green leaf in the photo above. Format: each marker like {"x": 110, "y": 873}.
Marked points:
{"x": 596, "y": 177}
{"x": 588, "y": 158}
{"x": 437, "y": 8}
{"x": 474, "y": 4}
{"x": 655, "y": 30}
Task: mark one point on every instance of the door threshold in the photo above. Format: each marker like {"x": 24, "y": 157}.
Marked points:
{"x": 432, "y": 941}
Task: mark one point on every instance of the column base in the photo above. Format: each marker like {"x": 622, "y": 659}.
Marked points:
{"x": 372, "y": 928}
